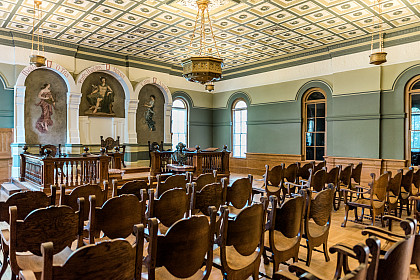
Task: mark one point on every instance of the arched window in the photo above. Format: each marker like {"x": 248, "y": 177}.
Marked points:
{"x": 314, "y": 126}
{"x": 413, "y": 94}
{"x": 239, "y": 128}
{"x": 179, "y": 122}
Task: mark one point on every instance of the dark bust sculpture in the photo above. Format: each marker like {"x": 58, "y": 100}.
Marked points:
{"x": 179, "y": 156}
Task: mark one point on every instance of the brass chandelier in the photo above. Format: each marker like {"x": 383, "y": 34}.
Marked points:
{"x": 37, "y": 56}
{"x": 203, "y": 68}
{"x": 378, "y": 56}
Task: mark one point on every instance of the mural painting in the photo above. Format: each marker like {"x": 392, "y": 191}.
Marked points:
{"x": 45, "y": 108}
{"x": 150, "y": 115}
{"x": 102, "y": 96}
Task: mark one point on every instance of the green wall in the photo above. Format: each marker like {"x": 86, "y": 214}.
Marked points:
{"x": 6, "y": 105}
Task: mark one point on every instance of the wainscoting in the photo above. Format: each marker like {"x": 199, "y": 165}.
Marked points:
{"x": 254, "y": 164}
{"x": 6, "y": 138}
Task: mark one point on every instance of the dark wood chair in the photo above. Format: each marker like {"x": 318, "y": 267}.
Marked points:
{"x": 318, "y": 220}
{"x": 58, "y": 224}
{"x": 273, "y": 179}
{"x": 84, "y": 191}
{"x": 154, "y": 146}
{"x": 284, "y": 229}
{"x": 182, "y": 252}
{"x": 131, "y": 187}
{"x": 289, "y": 176}
{"x": 376, "y": 201}
{"x": 172, "y": 182}
{"x": 170, "y": 207}
{"x": 203, "y": 179}
{"x": 110, "y": 144}
{"x": 213, "y": 194}
{"x": 320, "y": 165}
{"x": 393, "y": 193}
{"x": 356, "y": 175}
{"x": 316, "y": 182}
{"x": 55, "y": 151}
{"x": 333, "y": 177}
{"x": 108, "y": 260}
{"x": 360, "y": 252}
{"x": 241, "y": 242}
{"x": 344, "y": 183}
{"x": 303, "y": 171}
{"x": 239, "y": 194}
{"x": 406, "y": 190}
{"x": 115, "y": 218}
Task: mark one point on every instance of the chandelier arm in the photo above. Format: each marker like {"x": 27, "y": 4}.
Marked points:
{"x": 39, "y": 20}
{"x": 33, "y": 32}
{"x": 381, "y": 38}
{"x": 202, "y": 34}
{"x": 212, "y": 34}
{"x": 193, "y": 35}
{"x": 42, "y": 33}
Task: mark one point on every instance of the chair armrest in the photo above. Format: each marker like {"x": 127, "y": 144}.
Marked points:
{"x": 284, "y": 275}
{"x": 293, "y": 184}
{"x": 307, "y": 272}
{"x": 356, "y": 192}
{"x": 343, "y": 249}
{"x": 384, "y": 235}
{"x": 360, "y": 187}
{"x": 26, "y": 275}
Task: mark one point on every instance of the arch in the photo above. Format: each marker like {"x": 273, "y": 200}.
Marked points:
{"x": 187, "y": 98}
{"x": 239, "y": 95}
{"x": 325, "y": 86}
{"x": 404, "y": 77}
{"x": 167, "y": 106}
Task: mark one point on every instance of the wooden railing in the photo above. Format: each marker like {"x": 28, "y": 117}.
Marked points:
{"x": 204, "y": 162}
{"x": 44, "y": 171}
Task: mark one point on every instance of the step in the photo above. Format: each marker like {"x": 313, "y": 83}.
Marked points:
{"x": 10, "y": 188}
{"x": 136, "y": 170}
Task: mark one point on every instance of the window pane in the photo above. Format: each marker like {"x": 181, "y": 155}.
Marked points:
{"x": 415, "y": 157}
{"x": 415, "y": 121}
{"x": 415, "y": 139}
{"x": 310, "y": 153}
{"x": 416, "y": 85}
{"x": 316, "y": 96}
{"x": 243, "y": 139}
{"x": 236, "y": 139}
{"x": 240, "y": 104}
{"x": 310, "y": 139}
{"x": 243, "y": 127}
{"x": 236, "y": 151}
{"x": 319, "y": 153}
{"x": 244, "y": 114}
{"x": 320, "y": 110}
{"x": 310, "y": 125}
{"x": 320, "y": 124}
{"x": 178, "y": 103}
{"x": 320, "y": 139}
{"x": 310, "y": 110}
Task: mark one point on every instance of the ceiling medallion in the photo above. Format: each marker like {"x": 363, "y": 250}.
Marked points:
{"x": 192, "y": 4}
{"x": 37, "y": 56}
{"x": 378, "y": 56}
{"x": 203, "y": 67}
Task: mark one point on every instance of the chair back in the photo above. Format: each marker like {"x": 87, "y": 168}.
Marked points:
{"x": 345, "y": 175}
{"x": 116, "y": 217}
{"x": 204, "y": 179}
{"x": 319, "y": 207}
{"x": 131, "y": 187}
{"x": 317, "y": 180}
{"x": 303, "y": 171}
{"x": 114, "y": 259}
{"x": 58, "y": 224}
{"x": 288, "y": 218}
{"x": 320, "y": 165}
{"x": 239, "y": 193}
{"x": 170, "y": 207}
{"x": 210, "y": 195}
{"x": 83, "y": 191}
{"x": 407, "y": 180}
{"x": 109, "y": 143}
{"x": 55, "y": 151}
{"x": 274, "y": 176}
{"x": 356, "y": 173}
{"x": 416, "y": 180}
{"x": 172, "y": 182}
{"x": 333, "y": 176}
{"x": 170, "y": 250}
{"x": 290, "y": 173}
{"x": 394, "y": 185}
{"x": 26, "y": 202}
{"x": 379, "y": 187}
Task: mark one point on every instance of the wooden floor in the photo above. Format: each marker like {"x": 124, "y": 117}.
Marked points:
{"x": 350, "y": 235}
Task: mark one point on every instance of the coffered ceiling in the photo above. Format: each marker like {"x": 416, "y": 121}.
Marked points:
{"x": 246, "y": 31}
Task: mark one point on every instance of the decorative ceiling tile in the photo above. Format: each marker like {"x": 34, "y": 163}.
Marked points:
{"x": 264, "y": 9}
{"x": 305, "y": 8}
{"x": 281, "y": 17}
{"x": 243, "y": 17}
{"x": 83, "y": 5}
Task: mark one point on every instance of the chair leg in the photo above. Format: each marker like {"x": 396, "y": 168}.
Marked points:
{"x": 345, "y": 216}
{"x": 5, "y": 261}
{"x": 325, "y": 247}
{"x": 255, "y": 274}
{"x": 265, "y": 257}
{"x": 382, "y": 220}
{"x": 276, "y": 265}
{"x": 309, "y": 255}
{"x": 356, "y": 216}
{"x": 373, "y": 216}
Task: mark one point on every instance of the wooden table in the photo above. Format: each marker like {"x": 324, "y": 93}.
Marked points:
{"x": 180, "y": 168}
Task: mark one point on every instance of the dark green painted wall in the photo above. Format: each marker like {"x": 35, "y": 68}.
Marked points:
{"x": 6, "y": 106}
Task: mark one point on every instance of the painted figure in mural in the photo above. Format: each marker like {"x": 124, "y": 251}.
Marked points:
{"x": 101, "y": 98}
{"x": 47, "y": 103}
{"x": 148, "y": 115}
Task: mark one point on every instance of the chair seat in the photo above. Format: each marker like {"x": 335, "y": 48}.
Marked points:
{"x": 131, "y": 239}
{"x": 235, "y": 260}
{"x": 281, "y": 242}
{"x": 5, "y": 234}
{"x": 163, "y": 273}
{"x": 404, "y": 194}
{"x": 392, "y": 199}
{"x": 316, "y": 230}
{"x": 273, "y": 189}
{"x": 365, "y": 203}
{"x": 161, "y": 230}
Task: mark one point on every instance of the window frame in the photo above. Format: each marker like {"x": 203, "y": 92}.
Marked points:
{"x": 305, "y": 102}
{"x": 232, "y": 111}
{"x": 187, "y": 120}
{"x": 408, "y": 126}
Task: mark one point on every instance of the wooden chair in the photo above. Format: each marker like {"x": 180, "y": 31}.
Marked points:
{"x": 375, "y": 202}
{"x": 154, "y": 146}
{"x": 406, "y": 190}
{"x": 170, "y": 207}
{"x": 172, "y": 182}
{"x": 115, "y": 218}
{"x": 83, "y": 191}
{"x": 320, "y": 165}
{"x": 204, "y": 179}
{"x": 393, "y": 193}
{"x": 285, "y": 227}
{"x": 182, "y": 251}
{"x": 241, "y": 242}
{"x": 273, "y": 179}
{"x": 356, "y": 175}
{"x": 210, "y": 195}
{"x": 316, "y": 182}
{"x": 333, "y": 177}
{"x": 303, "y": 171}
{"x": 58, "y": 224}
{"x": 344, "y": 183}
{"x": 55, "y": 151}
{"x": 239, "y": 194}
{"x": 110, "y": 144}
{"x": 108, "y": 260}
{"x": 318, "y": 220}
{"x": 289, "y": 176}
{"x": 131, "y": 187}
{"x": 360, "y": 252}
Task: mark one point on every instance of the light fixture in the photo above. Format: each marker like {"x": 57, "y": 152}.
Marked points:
{"x": 203, "y": 68}
{"x": 192, "y": 4}
{"x": 378, "y": 56}
{"x": 37, "y": 56}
